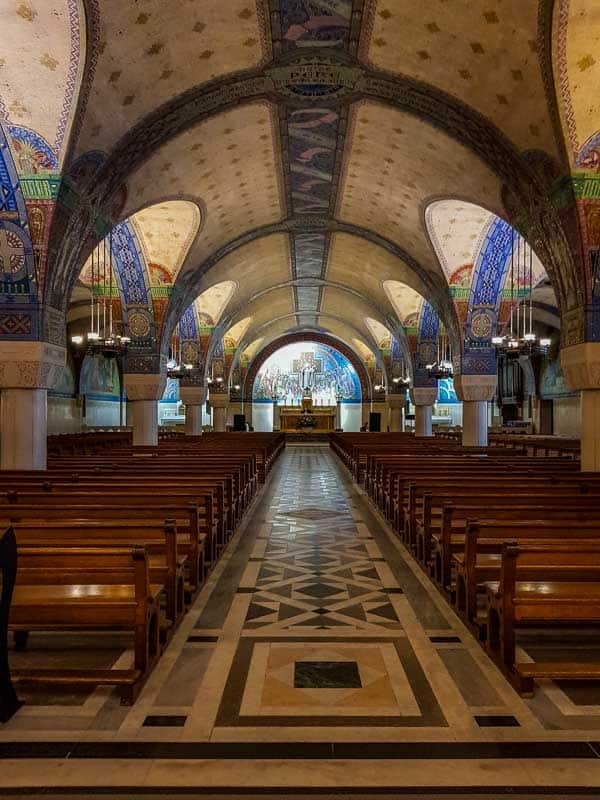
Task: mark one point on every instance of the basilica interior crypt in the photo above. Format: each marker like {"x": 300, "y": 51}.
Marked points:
{"x": 300, "y": 398}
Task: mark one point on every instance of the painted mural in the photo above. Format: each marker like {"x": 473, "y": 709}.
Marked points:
{"x": 326, "y": 371}
{"x": 446, "y": 392}
{"x": 552, "y": 382}
{"x": 99, "y": 378}
{"x": 171, "y": 393}
{"x": 316, "y": 23}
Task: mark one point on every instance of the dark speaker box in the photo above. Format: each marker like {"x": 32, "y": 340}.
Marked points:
{"x": 239, "y": 422}
{"x": 375, "y": 422}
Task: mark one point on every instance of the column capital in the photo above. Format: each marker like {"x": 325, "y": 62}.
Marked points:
{"x": 193, "y": 395}
{"x": 475, "y": 388}
{"x": 31, "y": 365}
{"x": 423, "y": 396}
{"x": 147, "y": 386}
{"x": 218, "y": 399}
{"x": 581, "y": 365}
{"x": 396, "y": 400}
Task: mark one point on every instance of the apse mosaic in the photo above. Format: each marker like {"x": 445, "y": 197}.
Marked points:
{"x": 307, "y": 367}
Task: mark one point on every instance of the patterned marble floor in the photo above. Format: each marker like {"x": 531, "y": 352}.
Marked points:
{"x": 317, "y": 656}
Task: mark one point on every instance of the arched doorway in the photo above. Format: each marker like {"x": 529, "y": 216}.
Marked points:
{"x": 292, "y": 369}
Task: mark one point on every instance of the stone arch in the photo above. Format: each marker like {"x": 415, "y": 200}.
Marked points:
{"x": 316, "y": 336}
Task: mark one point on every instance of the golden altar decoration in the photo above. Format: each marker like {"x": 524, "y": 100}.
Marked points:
{"x": 291, "y": 417}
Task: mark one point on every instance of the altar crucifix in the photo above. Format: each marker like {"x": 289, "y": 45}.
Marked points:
{"x": 306, "y": 367}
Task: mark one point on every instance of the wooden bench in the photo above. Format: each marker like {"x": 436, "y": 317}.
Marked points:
{"x": 542, "y": 585}
{"x": 65, "y": 589}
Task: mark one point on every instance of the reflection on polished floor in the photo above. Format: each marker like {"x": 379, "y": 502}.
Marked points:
{"x": 318, "y": 656}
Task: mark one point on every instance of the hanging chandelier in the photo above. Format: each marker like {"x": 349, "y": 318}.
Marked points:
{"x": 520, "y": 340}
{"x": 101, "y": 338}
{"x": 442, "y": 368}
{"x": 400, "y": 376}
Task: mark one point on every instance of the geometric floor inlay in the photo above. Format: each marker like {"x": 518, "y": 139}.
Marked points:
{"x": 327, "y": 679}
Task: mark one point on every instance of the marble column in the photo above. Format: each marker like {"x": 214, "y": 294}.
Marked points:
{"x": 423, "y": 399}
{"x": 475, "y": 391}
{"x": 581, "y": 368}
{"x": 380, "y": 407}
{"x": 276, "y": 416}
{"x": 27, "y": 371}
{"x": 193, "y": 398}
{"x": 234, "y": 407}
{"x": 219, "y": 402}
{"x": 247, "y": 411}
{"x": 338, "y": 415}
{"x": 366, "y": 410}
{"x": 143, "y": 393}
{"x": 396, "y": 403}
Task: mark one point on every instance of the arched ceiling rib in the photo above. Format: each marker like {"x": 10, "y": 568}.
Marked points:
{"x": 211, "y": 304}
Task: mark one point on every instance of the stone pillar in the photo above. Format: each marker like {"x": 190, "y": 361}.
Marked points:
{"x": 423, "y": 399}
{"x": 193, "y": 398}
{"x": 143, "y": 393}
{"x": 276, "y": 416}
{"x": 234, "y": 407}
{"x": 338, "y": 415}
{"x": 366, "y": 410}
{"x": 379, "y": 406}
{"x": 219, "y": 402}
{"x": 581, "y": 367}
{"x": 247, "y": 412}
{"x": 475, "y": 391}
{"x": 396, "y": 402}
{"x": 27, "y": 371}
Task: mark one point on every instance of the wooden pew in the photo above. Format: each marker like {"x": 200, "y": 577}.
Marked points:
{"x": 62, "y": 589}
{"x": 481, "y": 559}
{"x": 542, "y": 585}
{"x": 157, "y": 538}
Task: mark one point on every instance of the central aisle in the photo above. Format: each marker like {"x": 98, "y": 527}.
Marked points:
{"x": 318, "y": 655}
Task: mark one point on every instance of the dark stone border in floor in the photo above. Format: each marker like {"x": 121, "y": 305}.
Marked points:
{"x": 299, "y": 750}
{"x": 301, "y": 793}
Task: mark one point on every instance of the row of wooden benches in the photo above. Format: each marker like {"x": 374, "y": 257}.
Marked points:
{"x": 512, "y": 541}
{"x": 123, "y": 540}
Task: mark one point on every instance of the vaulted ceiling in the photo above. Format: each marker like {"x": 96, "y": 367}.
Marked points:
{"x": 328, "y": 163}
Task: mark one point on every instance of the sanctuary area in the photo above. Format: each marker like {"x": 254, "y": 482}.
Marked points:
{"x": 300, "y": 399}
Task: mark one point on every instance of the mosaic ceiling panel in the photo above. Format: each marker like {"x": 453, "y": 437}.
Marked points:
{"x": 146, "y": 57}
{"x": 577, "y": 43}
{"x": 211, "y": 303}
{"x": 309, "y": 250}
{"x": 41, "y": 61}
{"x": 394, "y": 165}
{"x": 352, "y": 308}
{"x": 165, "y": 232}
{"x": 230, "y": 163}
{"x": 406, "y": 302}
{"x": 484, "y": 54}
{"x": 307, "y": 298}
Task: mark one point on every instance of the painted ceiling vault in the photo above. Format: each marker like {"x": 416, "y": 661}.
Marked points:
{"x": 275, "y": 166}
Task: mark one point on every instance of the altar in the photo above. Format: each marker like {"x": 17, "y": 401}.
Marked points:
{"x": 306, "y": 418}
